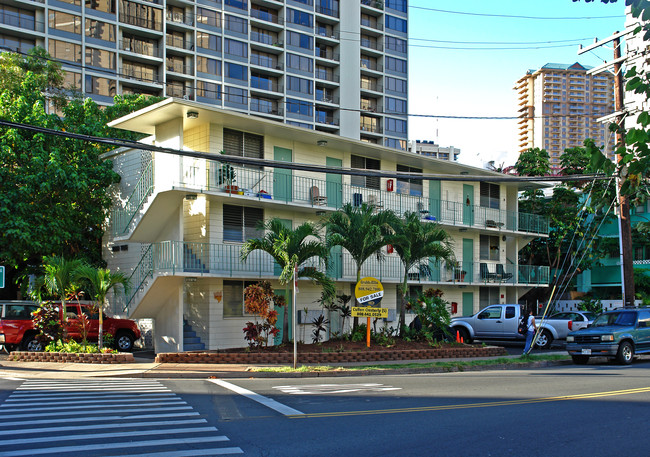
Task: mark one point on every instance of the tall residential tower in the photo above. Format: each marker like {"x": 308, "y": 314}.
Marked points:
{"x": 337, "y": 67}
{"x": 558, "y": 108}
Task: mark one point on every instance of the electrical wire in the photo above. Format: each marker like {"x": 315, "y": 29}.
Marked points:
{"x": 512, "y": 16}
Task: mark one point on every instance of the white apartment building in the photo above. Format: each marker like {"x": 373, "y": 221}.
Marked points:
{"x": 178, "y": 223}
{"x": 431, "y": 149}
{"x": 325, "y": 65}
{"x": 558, "y": 108}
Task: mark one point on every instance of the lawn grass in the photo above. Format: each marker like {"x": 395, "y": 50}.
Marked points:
{"x": 459, "y": 364}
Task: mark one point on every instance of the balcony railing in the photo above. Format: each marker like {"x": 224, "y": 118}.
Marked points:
{"x": 224, "y": 260}
{"x": 140, "y": 47}
{"x": 180, "y": 18}
{"x": 204, "y": 176}
{"x": 21, "y": 21}
{"x": 266, "y": 16}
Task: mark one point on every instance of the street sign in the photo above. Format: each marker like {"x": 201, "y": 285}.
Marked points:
{"x": 361, "y": 311}
{"x": 2, "y": 277}
{"x": 369, "y": 290}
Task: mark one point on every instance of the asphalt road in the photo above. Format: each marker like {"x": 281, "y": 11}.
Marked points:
{"x": 596, "y": 410}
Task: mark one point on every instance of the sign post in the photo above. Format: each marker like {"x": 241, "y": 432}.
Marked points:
{"x": 369, "y": 291}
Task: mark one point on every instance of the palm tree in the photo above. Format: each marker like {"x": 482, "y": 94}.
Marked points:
{"x": 291, "y": 249}
{"x": 416, "y": 242}
{"x": 101, "y": 281}
{"x": 361, "y": 231}
{"x": 58, "y": 277}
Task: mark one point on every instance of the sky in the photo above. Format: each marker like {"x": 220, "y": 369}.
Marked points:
{"x": 479, "y": 81}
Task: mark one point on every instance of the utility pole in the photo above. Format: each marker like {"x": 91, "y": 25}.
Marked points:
{"x": 627, "y": 269}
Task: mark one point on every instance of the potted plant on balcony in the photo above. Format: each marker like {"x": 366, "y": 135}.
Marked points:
{"x": 226, "y": 175}
{"x": 459, "y": 274}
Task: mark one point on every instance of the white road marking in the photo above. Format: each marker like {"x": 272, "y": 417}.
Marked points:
{"x": 102, "y": 419}
{"x": 321, "y": 389}
{"x": 268, "y": 402}
{"x": 192, "y": 453}
{"x": 103, "y": 426}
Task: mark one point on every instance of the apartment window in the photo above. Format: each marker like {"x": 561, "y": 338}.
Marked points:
{"x": 100, "y": 30}
{"x": 242, "y": 5}
{"x": 144, "y": 46}
{"x": 19, "y": 44}
{"x": 62, "y": 50}
{"x": 395, "y": 23}
{"x": 242, "y": 144}
{"x": 236, "y": 24}
{"x": 100, "y": 58}
{"x": 235, "y": 71}
{"x": 233, "y": 298}
{"x": 140, "y": 15}
{"x": 236, "y": 95}
{"x": 208, "y": 41}
{"x": 300, "y": 18}
{"x": 306, "y": 2}
{"x": 139, "y": 71}
{"x": 106, "y": 6}
{"x": 397, "y": 5}
{"x": 395, "y": 85}
{"x": 208, "y": 17}
{"x": 300, "y": 40}
{"x": 72, "y": 80}
{"x": 488, "y": 296}
{"x": 489, "y": 247}
{"x": 100, "y": 86}
{"x": 395, "y": 105}
{"x": 264, "y": 82}
{"x": 240, "y": 223}
{"x": 365, "y": 163}
{"x": 490, "y": 195}
{"x": 409, "y": 186}
{"x": 395, "y": 125}
{"x": 301, "y": 63}
{"x": 235, "y": 48}
{"x": 300, "y": 107}
{"x": 65, "y": 22}
{"x": 207, "y": 65}
{"x": 17, "y": 17}
{"x": 296, "y": 84}
{"x": 208, "y": 90}
{"x": 395, "y": 143}
{"x": 396, "y": 65}
{"x": 396, "y": 44}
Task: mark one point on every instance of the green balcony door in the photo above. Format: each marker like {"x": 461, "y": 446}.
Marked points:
{"x": 282, "y": 179}
{"x": 283, "y": 293}
{"x": 468, "y": 259}
{"x": 468, "y": 204}
{"x": 334, "y": 183}
{"x": 468, "y": 303}
{"x": 434, "y": 199}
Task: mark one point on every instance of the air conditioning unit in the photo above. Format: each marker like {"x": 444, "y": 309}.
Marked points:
{"x": 186, "y": 97}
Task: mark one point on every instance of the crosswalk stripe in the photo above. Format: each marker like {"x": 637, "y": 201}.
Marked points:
{"x": 103, "y": 446}
{"x": 84, "y": 399}
{"x": 54, "y": 439}
{"x": 92, "y": 389}
{"x": 27, "y": 431}
{"x": 95, "y": 394}
{"x": 100, "y": 419}
{"x": 62, "y": 413}
{"x": 64, "y": 407}
{"x": 191, "y": 453}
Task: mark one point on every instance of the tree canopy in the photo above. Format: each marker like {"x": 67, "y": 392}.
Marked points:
{"x": 53, "y": 198}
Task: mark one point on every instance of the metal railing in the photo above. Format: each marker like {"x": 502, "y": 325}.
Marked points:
{"x": 207, "y": 176}
{"x": 266, "y": 16}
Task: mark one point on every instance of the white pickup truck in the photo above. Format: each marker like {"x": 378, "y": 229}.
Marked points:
{"x": 500, "y": 322}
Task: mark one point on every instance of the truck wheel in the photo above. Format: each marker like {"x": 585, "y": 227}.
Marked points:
{"x": 31, "y": 343}
{"x": 463, "y": 334}
{"x": 124, "y": 342}
{"x": 625, "y": 353}
{"x": 580, "y": 359}
{"x": 544, "y": 340}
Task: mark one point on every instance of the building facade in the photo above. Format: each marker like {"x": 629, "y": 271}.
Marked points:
{"x": 336, "y": 67}
{"x": 431, "y": 149}
{"x": 178, "y": 222}
{"x": 559, "y": 106}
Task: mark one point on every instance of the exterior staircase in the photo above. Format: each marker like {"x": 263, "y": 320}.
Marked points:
{"x": 191, "y": 342}
{"x": 191, "y": 262}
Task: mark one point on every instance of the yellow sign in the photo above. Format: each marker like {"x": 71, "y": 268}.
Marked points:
{"x": 360, "y": 311}
{"x": 369, "y": 290}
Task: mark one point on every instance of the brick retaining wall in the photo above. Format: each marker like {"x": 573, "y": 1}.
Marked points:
{"x": 327, "y": 357}
{"x": 63, "y": 357}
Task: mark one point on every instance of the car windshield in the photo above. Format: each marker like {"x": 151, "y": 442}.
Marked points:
{"x": 622, "y": 318}
{"x": 590, "y": 316}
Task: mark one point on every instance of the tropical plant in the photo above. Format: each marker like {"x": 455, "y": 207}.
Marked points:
{"x": 101, "y": 282}
{"x": 361, "y": 231}
{"x": 46, "y": 321}
{"x": 292, "y": 250}
{"x": 417, "y": 243}
{"x": 319, "y": 325}
{"x": 591, "y": 304}
{"x": 434, "y": 314}
{"x": 257, "y": 301}
{"x": 344, "y": 309}
{"x": 58, "y": 278}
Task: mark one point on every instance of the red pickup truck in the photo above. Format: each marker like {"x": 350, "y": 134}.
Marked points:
{"x": 17, "y": 329}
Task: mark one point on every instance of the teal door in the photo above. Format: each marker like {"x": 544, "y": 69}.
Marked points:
{"x": 468, "y": 204}
{"x": 277, "y": 270}
{"x": 468, "y": 303}
{"x": 279, "y": 323}
{"x": 334, "y": 183}
{"x": 468, "y": 259}
{"x": 434, "y": 199}
{"x": 282, "y": 182}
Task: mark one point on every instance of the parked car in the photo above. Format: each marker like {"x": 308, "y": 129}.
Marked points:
{"x": 17, "y": 329}
{"x": 618, "y": 334}
{"x": 568, "y": 321}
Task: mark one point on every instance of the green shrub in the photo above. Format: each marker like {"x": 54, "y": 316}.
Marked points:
{"x": 434, "y": 314}
{"x": 359, "y": 334}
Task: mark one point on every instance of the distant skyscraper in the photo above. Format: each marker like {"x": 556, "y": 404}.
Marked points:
{"x": 558, "y": 108}
{"x": 337, "y": 67}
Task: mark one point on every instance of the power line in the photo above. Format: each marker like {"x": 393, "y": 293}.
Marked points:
{"x": 501, "y": 42}
{"x": 509, "y": 16}
{"x": 120, "y": 143}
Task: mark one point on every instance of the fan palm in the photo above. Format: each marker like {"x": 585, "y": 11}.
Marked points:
{"x": 361, "y": 231}
{"x": 101, "y": 281}
{"x": 417, "y": 242}
{"x": 291, "y": 250}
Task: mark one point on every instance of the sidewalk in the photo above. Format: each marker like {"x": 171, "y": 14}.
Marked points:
{"x": 145, "y": 368}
